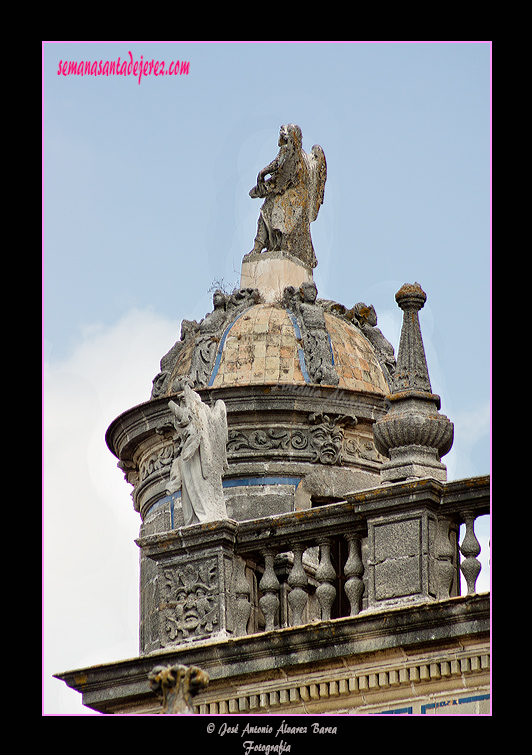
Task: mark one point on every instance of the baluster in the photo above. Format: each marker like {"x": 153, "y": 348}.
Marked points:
{"x": 242, "y": 594}
{"x": 353, "y": 569}
{"x": 444, "y": 560}
{"x": 269, "y": 585}
{"x": 470, "y": 549}
{"x": 297, "y": 579}
{"x": 325, "y": 574}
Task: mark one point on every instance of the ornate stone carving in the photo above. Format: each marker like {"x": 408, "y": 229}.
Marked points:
{"x": 327, "y": 437}
{"x": 360, "y": 448}
{"x": 157, "y": 461}
{"x": 130, "y": 470}
{"x": 197, "y": 471}
{"x": 293, "y": 195}
{"x": 161, "y": 380}
{"x": 323, "y": 439}
{"x": 177, "y": 685}
{"x": 188, "y": 607}
{"x": 259, "y": 440}
{"x": 207, "y": 338}
{"x": 316, "y": 341}
{"x": 203, "y": 340}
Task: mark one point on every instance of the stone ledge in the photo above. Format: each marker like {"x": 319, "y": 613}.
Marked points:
{"x": 117, "y": 686}
{"x": 354, "y": 512}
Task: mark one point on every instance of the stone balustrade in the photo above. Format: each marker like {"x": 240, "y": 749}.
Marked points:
{"x": 383, "y": 547}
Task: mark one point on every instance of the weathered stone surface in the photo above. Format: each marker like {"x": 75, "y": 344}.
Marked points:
{"x": 399, "y": 550}
{"x": 193, "y": 586}
{"x": 177, "y": 685}
{"x": 321, "y": 439}
{"x": 403, "y": 638}
{"x": 296, "y": 339}
{"x": 366, "y": 317}
{"x": 413, "y": 435}
{"x": 293, "y": 195}
{"x": 188, "y": 600}
{"x": 295, "y": 582}
{"x": 271, "y": 272}
{"x": 319, "y": 359}
{"x": 397, "y": 560}
{"x": 287, "y": 433}
{"x": 194, "y": 355}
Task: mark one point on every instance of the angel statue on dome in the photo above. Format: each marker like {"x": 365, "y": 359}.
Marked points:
{"x": 293, "y": 196}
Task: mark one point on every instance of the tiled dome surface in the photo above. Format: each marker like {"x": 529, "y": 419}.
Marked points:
{"x": 261, "y": 346}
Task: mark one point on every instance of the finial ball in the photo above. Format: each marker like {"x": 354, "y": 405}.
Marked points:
{"x": 411, "y": 296}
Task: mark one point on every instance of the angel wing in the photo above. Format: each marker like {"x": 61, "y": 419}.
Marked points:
{"x": 221, "y": 433}
{"x": 213, "y": 449}
{"x": 317, "y": 166}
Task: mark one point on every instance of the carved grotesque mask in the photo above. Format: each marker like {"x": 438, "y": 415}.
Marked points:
{"x": 190, "y": 605}
{"x": 327, "y": 439}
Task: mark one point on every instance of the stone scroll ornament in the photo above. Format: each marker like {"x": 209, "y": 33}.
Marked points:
{"x": 316, "y": 343}
{"x": 202, "y": 460}
{"x": 204, "y": 337}
{"x": 323, "y": 440}
{"x": 293, "y": 195}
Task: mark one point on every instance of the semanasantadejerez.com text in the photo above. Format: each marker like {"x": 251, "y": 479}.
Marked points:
{"x": 125, "y": 68}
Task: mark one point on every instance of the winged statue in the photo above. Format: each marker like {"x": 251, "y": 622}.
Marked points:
{"x": 293, "y": 186}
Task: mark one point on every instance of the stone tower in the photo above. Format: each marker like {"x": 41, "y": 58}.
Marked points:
{"x": 326, "y": 578}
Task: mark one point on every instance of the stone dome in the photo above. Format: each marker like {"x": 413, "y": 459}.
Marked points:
{"x": 263, "y": 345}
{"x": 275, "y": 331}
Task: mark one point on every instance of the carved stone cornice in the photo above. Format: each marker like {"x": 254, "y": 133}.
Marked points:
{"x": 447, "y": 628}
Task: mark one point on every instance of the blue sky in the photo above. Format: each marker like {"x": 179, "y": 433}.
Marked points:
{"x": 145, "y": 205}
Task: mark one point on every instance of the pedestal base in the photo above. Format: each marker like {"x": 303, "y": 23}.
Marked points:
{"x": 411, "y": 463}
{"x": 272, "y": 272}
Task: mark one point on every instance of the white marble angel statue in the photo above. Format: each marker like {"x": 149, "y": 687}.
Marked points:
{"x": 198, "y": 469}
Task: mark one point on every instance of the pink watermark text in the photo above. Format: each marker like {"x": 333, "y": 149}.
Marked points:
{"x": 123, "y": 68}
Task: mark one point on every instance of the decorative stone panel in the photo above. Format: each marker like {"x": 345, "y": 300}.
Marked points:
{"x": 193, "y": 587}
